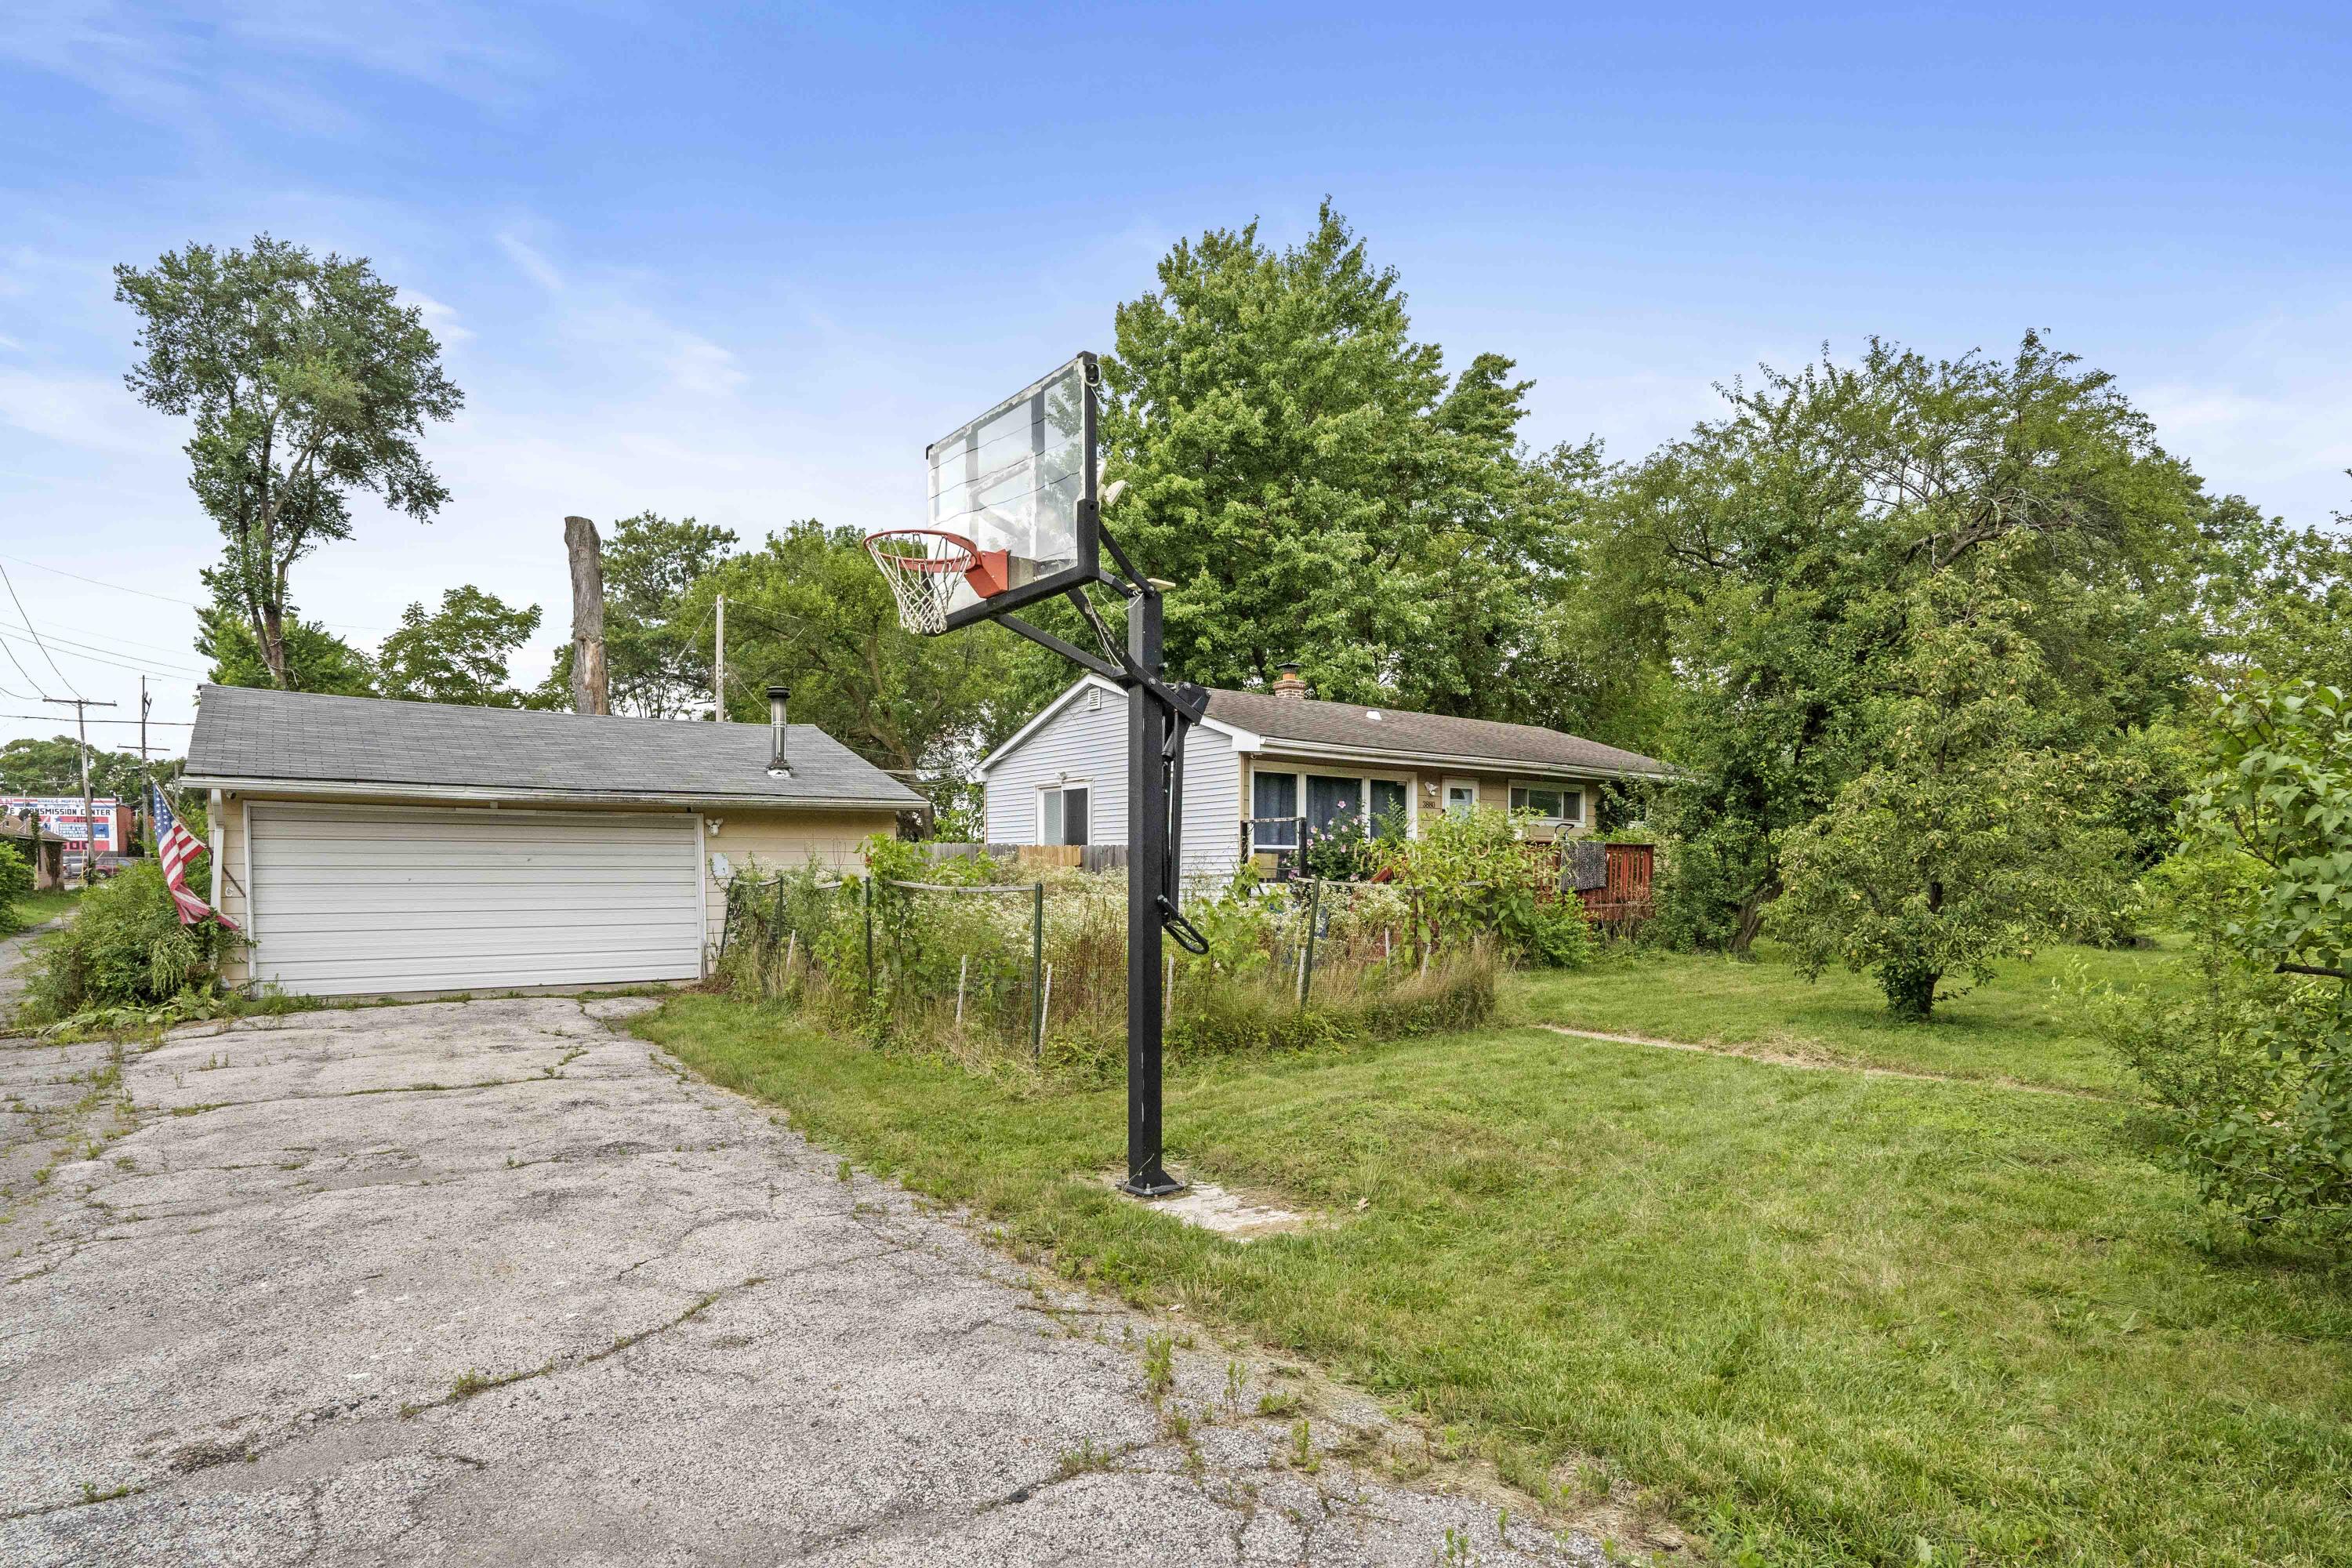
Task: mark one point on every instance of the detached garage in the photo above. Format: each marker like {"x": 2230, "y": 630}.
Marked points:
{"x": 388, "y": 848}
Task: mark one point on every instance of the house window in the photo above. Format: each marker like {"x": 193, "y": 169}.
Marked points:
{"x": 1392, "y": 810}
{"x": 1334, "y": 805}
{"x": 1460, "y": 796}
{"x": 1062, "y": 814}
{"x": 1274, "y": 802}
{"x": 1553, "y": 803}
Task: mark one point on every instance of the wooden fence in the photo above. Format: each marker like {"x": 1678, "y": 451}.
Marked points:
{"x": 1085, "y": 857}
{"x": 1615, "y": 886}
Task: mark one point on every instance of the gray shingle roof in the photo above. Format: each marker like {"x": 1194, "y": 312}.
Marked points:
{"x": 302, "y": 737}
{"x": 1315, "y": 724}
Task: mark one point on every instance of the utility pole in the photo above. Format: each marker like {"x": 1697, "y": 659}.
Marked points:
{"x": 144, "y": 813}
{"x": 81, "y": 707}
{"x": 718, "y": 666}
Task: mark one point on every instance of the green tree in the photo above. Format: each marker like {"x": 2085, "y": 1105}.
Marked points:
{"x": 2253, "y": 1062}
{"x": 1771, "y": 558}
{"x": 1317, "y": 489}
{"x": 808, "y": 610}
{"x": 1968, "y": 837}
{"x": 458, "y": 653}
{"x": 316, "y": 659}
{"x": 657, "y": 652}
{"x": 53, "y": 767}
{"x": 306, "y": 379}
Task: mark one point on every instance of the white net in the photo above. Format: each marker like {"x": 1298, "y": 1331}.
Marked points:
{"x": 924, "y": 568}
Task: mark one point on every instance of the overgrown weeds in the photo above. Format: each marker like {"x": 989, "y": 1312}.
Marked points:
{"x": 1031, "y": 979}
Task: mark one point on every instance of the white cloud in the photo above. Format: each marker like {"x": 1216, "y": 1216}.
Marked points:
{"x": 532, "y": 265}
{"x": 442, "y": 320}
{"x": 2264, "y": 410}
{"x": 93, "y": 412}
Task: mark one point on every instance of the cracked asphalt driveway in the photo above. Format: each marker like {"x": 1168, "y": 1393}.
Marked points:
{"x": 494, "y": 1282}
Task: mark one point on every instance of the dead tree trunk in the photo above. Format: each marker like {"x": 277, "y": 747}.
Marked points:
{"x": 590, "y": 693}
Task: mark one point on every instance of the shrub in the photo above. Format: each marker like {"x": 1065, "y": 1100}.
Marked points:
{"x": 126, "y": 947}
{"x": 1478, "y": 874}
{"x": 16, "y": 881}
{"x": 2252, "y": 1070}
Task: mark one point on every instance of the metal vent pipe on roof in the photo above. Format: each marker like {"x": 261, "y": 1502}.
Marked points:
{"x": 777, "y": 697}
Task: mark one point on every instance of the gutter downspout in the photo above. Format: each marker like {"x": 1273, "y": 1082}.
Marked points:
{"x": 212, "y": 816}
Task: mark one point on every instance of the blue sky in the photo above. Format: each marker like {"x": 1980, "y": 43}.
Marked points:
{"x": 744, "y": 265}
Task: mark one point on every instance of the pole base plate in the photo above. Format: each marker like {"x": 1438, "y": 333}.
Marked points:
{"x": 1155, "y": 1182}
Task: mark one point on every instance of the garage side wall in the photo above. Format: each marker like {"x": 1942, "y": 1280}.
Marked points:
{"x": 765, "y": 842}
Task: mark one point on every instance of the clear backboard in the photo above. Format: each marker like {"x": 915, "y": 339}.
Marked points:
{"x": 1016, "y": 488}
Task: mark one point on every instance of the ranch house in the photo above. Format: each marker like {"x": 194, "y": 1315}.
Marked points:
{"x": 1266, "y": 764}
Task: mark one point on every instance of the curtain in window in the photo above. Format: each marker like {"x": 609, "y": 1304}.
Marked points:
{"x": 1274, "y": 796}
{"x": 1329, "y": 800}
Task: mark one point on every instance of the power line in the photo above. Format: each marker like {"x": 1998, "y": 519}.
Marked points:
{"x": 127, "y": 642}
{"x": 36, "y": 636}
{"x": 7, "y": 637}
{"x": 168, "y": 723}
{"x": 88, "y": 650}
{"x": 21, "y": 670}
{"x": 167, "y": 598}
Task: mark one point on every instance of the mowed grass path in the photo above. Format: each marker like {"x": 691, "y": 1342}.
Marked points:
{"x": 1826, "y": 1318}
{"x": 2023, "y": 1026}
{"x": 36, "y": 909}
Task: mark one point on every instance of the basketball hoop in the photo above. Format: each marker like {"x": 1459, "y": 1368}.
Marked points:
{"x": 923, "y": 567}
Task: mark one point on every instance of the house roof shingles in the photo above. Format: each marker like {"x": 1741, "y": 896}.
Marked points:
{"x": 295, "y": 737}
{"x": 1307, "y": 721}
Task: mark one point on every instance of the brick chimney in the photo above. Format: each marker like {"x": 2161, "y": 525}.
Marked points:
{"x": 1287, "y": 683}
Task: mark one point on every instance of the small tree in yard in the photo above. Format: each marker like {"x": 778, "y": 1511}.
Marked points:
{"x": 1965, "y": 840}
{"x": 2254, "y": 1064}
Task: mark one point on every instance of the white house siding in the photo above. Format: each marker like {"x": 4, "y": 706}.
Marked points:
{"x": 1086, "y": 739}
{"x": 1212, "y": 806}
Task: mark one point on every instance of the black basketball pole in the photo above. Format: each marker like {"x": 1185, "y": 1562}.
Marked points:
{"x": 1148, "y": 722}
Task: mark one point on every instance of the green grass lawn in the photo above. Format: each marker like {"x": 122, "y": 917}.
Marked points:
{"x": 1824, "y": 1318}
{"x": 2022, "y": 1025}
{"x": 34, "y": 909}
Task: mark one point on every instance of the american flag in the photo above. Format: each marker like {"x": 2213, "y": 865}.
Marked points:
{"x": 175, "y": 848}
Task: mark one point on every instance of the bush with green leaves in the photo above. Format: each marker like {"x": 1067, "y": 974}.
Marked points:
{"x": 2253, "y": 1066}
{"x": 16, "y": 881}
{"x": 1478, "y": 874}
{"x": 126, "y": 948}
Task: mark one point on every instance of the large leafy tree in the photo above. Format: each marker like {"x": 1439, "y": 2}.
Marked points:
{"x": 808, "y": 610}
{"x": 1774, "y": 554}
{"x": 306, "y": 380}
{"x": 457, "y": 653}
{"x": 1319, "y": 489}
{"x": 1970, "y": 836}
{"x": 658, "y": 648}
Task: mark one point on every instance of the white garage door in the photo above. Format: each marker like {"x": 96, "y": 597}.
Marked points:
{"x": 367, "y": 899}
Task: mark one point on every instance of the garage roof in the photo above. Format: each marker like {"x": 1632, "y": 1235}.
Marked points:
{"x": 248, "y": 738}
